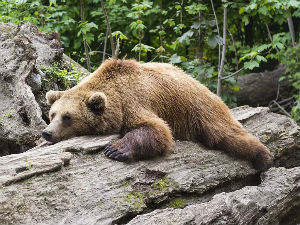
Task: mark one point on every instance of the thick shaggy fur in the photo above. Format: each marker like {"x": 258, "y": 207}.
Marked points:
{"x": 149, "y": 104}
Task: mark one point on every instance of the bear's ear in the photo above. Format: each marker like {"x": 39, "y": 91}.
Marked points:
{"x": 52, "y": 96}
{"x": 97, "y": 102}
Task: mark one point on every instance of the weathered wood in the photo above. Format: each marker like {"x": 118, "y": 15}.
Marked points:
{"x": 268, "y": 203}
{"x": 257, "y": 89}
{"x": 72, "y": 182}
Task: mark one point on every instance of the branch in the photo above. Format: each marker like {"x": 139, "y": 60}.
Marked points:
{"x": 282, "y": 109}
{"x": 292, "y": 30}
{"x": 108, "y": 28}
{"x": 270, "y": 36}
{"x": 117, "y": 48}
{"x": 223, "y": 54}
{"x": 105, "y": 44}
{"x": 235, "y": 52}
{"x": 218, "y": 30}
{"x": 88, "y": 62}
{"x": 231, "y": 75}
{"x": 160, "y": 29}
{"x": 269, "y": 33}
{"x": 200, "y": 50}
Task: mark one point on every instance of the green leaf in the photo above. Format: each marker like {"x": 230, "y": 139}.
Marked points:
{"x": 250, "y": 55}
{"x": 241, "y": 10}
{"x": 296, "y": 14}
{"x": 245, "y": 19}
{"x": 263, "y": 47}
{"x": 282, "y": 78}
{"x": 177, "y": 7}
{"x": 175, "y": 59}
{"x": 213, "y": 40}
{"x": 251, "y": 64}
{"x": 264, "y": 11}
{"x": 119, "y": 34}
{"x": 195, "y": 8}
{"x": 294, "y": 3}
{"x": 185, "y": 36}
{"x": 236, "y": 88}
{"x": 143, "y": 48}
{"x": 260, "y": 58}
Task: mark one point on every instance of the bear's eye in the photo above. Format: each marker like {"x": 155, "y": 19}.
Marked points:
{"x": 66, "y": 118}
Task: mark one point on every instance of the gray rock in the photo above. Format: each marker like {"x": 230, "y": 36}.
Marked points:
{"x": 20, "y": 115}
{"x": 35, "y": 82}
{"x": 72, "y": 182}
{"x": 271, "y": 202}
{"x": 23, "y": 109}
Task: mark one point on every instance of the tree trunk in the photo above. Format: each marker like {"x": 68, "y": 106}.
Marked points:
{"x": 105, "y": 44}
{"x": 72, "y": 182}
{"x": 218, "y": 30}
{"x": 87, "y": 55}
{"x": 219, "y": 87}
{"x": 108, "y": 28}
{"x": 291, "y": 29}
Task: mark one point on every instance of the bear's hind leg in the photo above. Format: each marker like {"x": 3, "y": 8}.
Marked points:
{"x": 149, "y": 139}
{"x": 247, "y": 146}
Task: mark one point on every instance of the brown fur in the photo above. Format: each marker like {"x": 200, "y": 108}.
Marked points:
{"x": 150, "y": 104}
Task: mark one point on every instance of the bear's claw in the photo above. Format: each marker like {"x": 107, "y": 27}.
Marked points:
{"x": 108, "y": 150}
{"x": 116, "y": 154}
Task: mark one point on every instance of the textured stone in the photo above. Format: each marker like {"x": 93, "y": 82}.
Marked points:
{"x": 23, "y": 109}
{"x": 271, "y": 202}
{"x": 72, "y": 182}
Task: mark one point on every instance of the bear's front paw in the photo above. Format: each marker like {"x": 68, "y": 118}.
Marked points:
{"x": 113, "y": 151}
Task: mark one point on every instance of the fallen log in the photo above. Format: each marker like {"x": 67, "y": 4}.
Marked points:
{"x": 72, "y": 182}
{"x": 258, "y": 89}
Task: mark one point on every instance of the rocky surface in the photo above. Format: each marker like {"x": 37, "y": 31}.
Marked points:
{"x": 23, "y": 51}
{"x": 72, "y": 182}
{"x": 275, "y": 201}
{"x": 21, "y": 116}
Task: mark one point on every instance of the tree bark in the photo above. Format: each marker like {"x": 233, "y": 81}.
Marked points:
{"x": 291, "y": 29}
{"x": 105, "y": 44}
{"x": 108, "y": 27}
{"x": 87, "y": 55}
{"x": 200, "y": 44}
{"x": 269, "y": 33}
{"x": 161, "y": 29}
{"x": 72, "y": 182}
{"x": 261, "y": 88}
{"x": 218, "y": 30}
{"x": 263, "y": 204}
{"x": 219, "y": 87}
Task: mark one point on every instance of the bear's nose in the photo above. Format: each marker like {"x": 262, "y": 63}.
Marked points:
{"x": 47, "y": 134}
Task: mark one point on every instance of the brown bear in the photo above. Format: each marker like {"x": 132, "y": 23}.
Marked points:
{"x": 148, "y": 104}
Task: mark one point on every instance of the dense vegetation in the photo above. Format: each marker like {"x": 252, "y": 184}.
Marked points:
{"x": 258, "y": 35}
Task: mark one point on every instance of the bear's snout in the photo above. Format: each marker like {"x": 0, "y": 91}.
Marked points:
{"x": 47, "y": 135}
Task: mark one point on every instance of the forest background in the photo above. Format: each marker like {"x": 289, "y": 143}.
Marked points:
{"x": 213, "y": 41}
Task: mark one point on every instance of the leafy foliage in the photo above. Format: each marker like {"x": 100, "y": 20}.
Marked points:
{"x": 180, "y": 32}
{"x": 63, "y": 77}
{"x": 291, "y": 58}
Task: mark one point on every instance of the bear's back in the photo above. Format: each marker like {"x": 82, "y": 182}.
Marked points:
{"x": 179, "y": 99}
{"x": 160, "y": 88}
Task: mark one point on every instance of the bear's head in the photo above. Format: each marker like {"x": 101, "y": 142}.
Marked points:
{"x": 74, "y": 114}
